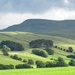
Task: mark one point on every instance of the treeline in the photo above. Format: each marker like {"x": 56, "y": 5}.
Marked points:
{"x": 14, "y": 46}
{"x": 41, "y": 43}
{"x": 70, "y": 49}
{"x": 40, "y": 64}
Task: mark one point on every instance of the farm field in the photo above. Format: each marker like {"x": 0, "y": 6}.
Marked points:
{"x": 41, "y": 71}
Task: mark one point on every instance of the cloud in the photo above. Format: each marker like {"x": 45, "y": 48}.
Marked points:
{"x": 29, "y": 6}
{"x": 9, "y": 19}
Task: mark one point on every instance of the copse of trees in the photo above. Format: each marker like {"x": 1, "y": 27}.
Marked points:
{"x": 41, "y": 43}
{"x": 72, "y": 63}
{"x": 50, "y": 64}
{"x": 12, "y": 45}
{"x": 40, "y": 53}
{"x": 4, "y": 67}
{"x": 49, "y": 51}
{"x": 40, "y": 64}
{"x": 71, "y": 56}
{"x": 22, "y": 66}
{"x": 16, "y": 57}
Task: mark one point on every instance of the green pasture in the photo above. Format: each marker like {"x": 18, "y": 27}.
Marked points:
{"x": 40, "y": 71}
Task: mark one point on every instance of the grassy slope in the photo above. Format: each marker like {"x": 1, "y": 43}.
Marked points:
{"x": 44, "y": 71}
{"x": 25, "y": 37}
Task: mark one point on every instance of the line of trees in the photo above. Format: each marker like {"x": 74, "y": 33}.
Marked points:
{"x": 70, "y": 49}
{"x": 39, "y": 64}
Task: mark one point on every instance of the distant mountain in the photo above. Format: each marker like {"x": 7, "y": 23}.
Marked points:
{"x": 64, "y": 28}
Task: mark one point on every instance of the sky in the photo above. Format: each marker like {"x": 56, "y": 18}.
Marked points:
{"x": 16, "y": 11}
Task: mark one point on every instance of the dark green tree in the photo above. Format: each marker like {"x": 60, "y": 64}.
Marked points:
{"x": 72, "y": 63}
{"x": 5, "y": 50}
{"x": 30, "y": 61}
{"x": 61, "y": 62}
{"x": 40, "y": 53}
{"x": 40, "y": 64}
{"x": 49, "y": 51}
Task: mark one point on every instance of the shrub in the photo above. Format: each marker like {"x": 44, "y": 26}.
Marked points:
{"x": 71, "y": 56}
{"x": 72, "y": 63}
{"x": 50, "y": 64}
{"x": 49, "y": 51}
{"x": 30, "y": 61}
{"x": 61, "y": 62}
{"x": 25, "y": 61}
{"x": 40, "y": 53}
{"x": 4, "y": 67}
{"x": 40, "y": 64}
{"x": 21, "y": 66}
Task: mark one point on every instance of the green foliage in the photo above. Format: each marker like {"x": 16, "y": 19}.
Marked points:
{"x": 71, "y": 56}
{"x": 49, "y": 51}
{"x": 70, "y": 49}
{"x": 61, "y": 62}
{"x": 12, "y": 45}
{"x": 25, "y": 61}
{"x": 4, "y": 67}
{"x": 41, "y": 43}
{"x": 40, "y": 53}
{"x": 30, "y": 61}
{"x": 40, "y": 64}
{"x": 16, "y": 57}
{"x": 72, "y": 63}
{"x": 21, "y": 66}
{"x": 5, "y": 50}
{"x": 50, "y": 64}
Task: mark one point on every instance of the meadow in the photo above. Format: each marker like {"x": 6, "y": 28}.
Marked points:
{"x": 25, "y": 37}
{"x": 41, "y": 71}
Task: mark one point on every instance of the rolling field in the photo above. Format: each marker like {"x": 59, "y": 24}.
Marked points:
{"x": 25, "y": 37}
{"x": 42, "y": 71}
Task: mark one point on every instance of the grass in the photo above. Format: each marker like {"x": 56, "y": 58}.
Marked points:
{"x": 25, "y": 37}
{"x": 41, "y": 71}
{"x": 7, "y": 60}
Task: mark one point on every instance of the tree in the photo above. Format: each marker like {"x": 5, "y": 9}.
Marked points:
{"x": 61, "y": 62}
{"x": 30, "y": 61}
{"x": 40, "y": 53}
{"x": 25, "y": 61}
{"x": 40, "y": 64}
{"x": 49, "y": 51}
{"x": 72, "y": 63}
{"x": 70, "y": 49}
{"x": 50, "y": 64}
{"x": 5, "y": 50}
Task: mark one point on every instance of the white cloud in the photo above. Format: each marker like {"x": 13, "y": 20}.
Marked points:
{"x": 54, "y": 14}
{"x": 66, "y": 2}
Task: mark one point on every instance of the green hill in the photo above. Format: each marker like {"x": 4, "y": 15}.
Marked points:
{"x": 64, "y": 28}
{"x": 25, "y": 37}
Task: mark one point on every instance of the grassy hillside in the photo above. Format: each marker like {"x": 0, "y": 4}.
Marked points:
{"x": 65, "y": 28}
{"x": 44, "y": 71}
{"x": 25, "y": 37}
